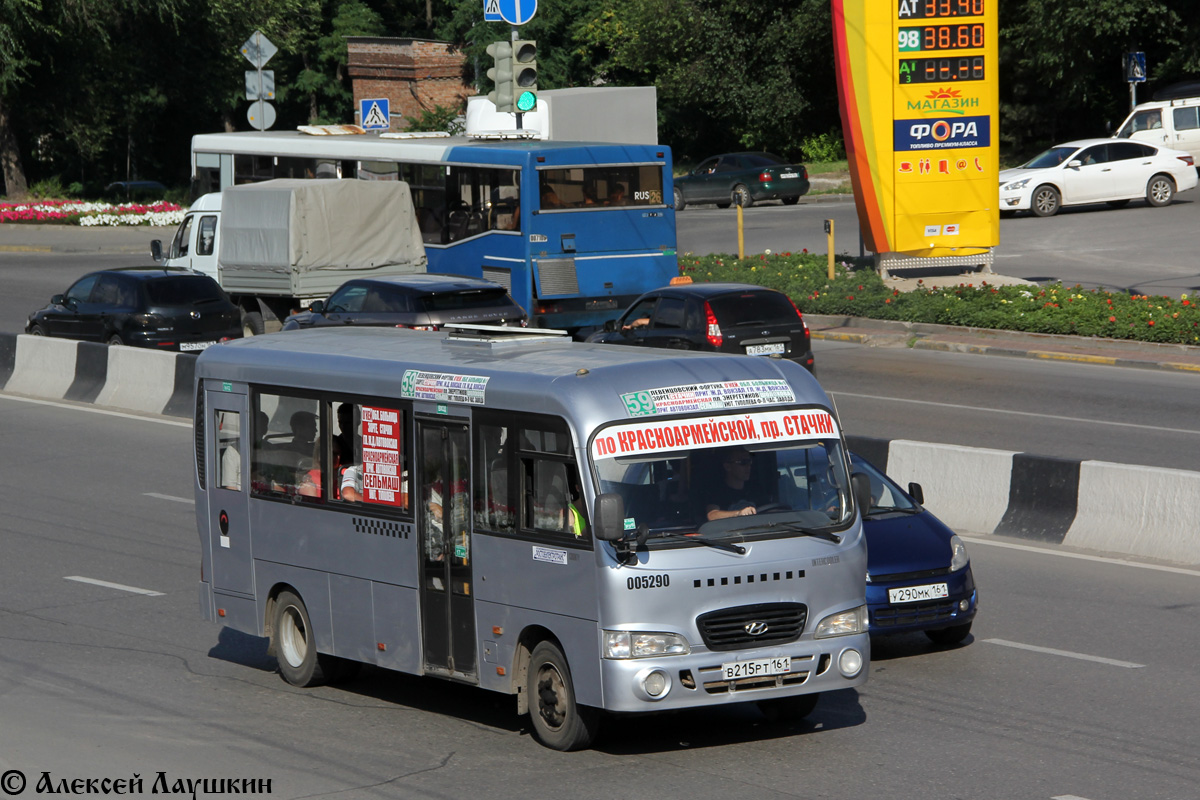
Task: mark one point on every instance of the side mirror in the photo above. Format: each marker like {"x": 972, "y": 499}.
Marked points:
{"x": 1074, "y": 164}
{"x": 860, "y": 483}
{"x": 916, "y": 493}
{"x": 57, "y": 300}
{"x": 317, "y": 307}
{"x": 609, "y": 522}
{"x": 610, "y": 325}
{"x": 156, "y": 249}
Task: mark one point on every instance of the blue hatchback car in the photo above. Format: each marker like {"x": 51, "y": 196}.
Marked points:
{"x": 918, "y": 572}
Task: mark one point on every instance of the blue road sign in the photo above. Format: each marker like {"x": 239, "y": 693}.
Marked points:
{"x": 1135, "y": 67}
{"x": 374, "y": 114}
{"x": 517, "y": 12}
{"x": 491, "y": 11}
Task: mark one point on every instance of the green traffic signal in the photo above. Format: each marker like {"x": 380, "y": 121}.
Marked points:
{"x": 526, "y": 101}
{"x": 525, "y": 69}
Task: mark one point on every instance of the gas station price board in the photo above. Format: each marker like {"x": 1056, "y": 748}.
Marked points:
{"x": 917, "y": 84}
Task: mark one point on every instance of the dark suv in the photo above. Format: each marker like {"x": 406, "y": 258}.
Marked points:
{"x": 722, "y": 317}
{"x": 167, "y": 309}
{"x": 424, "y": 301}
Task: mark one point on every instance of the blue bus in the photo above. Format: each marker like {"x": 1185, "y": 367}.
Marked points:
{"x": 574, "y": 230}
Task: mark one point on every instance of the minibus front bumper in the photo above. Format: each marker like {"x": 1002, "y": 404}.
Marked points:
{"x": 697, "y": 679}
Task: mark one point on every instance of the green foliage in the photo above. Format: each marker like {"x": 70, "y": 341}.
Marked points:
{"x": 439, "y": 118}
{"x": 52, "y": 189}
{"x": 857, "y": 290}
{"x": 824, "y": 147}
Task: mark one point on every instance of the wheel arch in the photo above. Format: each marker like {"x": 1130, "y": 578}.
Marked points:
{"x": 268, "y": 623}
{"x": 530, "y": 637}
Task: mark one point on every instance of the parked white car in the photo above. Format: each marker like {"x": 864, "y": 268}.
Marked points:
{"x": 1096, "y": 171}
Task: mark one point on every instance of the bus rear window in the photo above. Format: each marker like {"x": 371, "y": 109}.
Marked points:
{"x": 608, "y": 185}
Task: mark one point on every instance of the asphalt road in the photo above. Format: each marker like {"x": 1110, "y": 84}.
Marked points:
{"x": 1138, "y": 248}
{"x": 1078, "y": 682}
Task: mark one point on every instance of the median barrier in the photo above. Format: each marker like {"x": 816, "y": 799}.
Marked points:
{"x": 1123, "y": 509}
{"x": 128, "y": 378}
{"x": 1114, "y": 508}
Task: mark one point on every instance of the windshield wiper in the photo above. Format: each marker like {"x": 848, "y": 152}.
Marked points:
{"x": 691, "y": 537}
{"x": 793, "y": 527}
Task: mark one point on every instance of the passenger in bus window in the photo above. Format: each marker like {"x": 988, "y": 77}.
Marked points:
{"x": 304, "y": 432}
{"x": 617, "y": 196}
{"x": 550, "y": 198}
{"x": 345, "y": 435}
{"x": 312, "y": 484}
{"x": 352, "y": 483}
{"x": 732, "y": 497}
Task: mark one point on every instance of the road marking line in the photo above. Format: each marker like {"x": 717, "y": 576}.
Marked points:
{"x": 1065, "y": 653}
{"x": 1068, "y": 797}
{"x": 1120, "y": 562}
{"x": 960, "y": 407}
{"x": 107, "y": 585}
{"x": 172, "y": 498}
{"x": 94, "y": 410}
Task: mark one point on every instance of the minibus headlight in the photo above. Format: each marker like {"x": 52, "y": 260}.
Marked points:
{"x": 958, "y": 557}
{"x": 641, "y": 644}
{"x": 843, "y": 623}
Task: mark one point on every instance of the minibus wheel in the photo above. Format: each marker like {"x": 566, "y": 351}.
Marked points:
{"x": 560, "y": 722}
{"x": 294, "y": 647}
{"x": 782, "y": 709}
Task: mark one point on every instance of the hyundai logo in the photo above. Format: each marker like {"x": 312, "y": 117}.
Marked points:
{"x": 755, "y": 628}
{"x": 195, "y": 314}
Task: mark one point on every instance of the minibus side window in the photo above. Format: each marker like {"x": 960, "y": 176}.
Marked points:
{"x": 288, "y": 448}
{"x": 493, "y": 503}
{"x": 552, "y": 500}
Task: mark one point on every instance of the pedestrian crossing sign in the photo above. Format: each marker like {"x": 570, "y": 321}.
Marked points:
{"x": 374, "y": 114}
{"x": 491, "y": 11}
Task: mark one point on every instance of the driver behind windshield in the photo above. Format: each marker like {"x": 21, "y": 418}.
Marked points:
{"x": 733, "y": 496}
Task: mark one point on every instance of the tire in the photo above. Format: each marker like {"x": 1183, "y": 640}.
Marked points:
{"x": 723, "y": 205}
{"x": 292, "y": 641}
{"x": 37, "y": 330}
{"x": 680, "y": 205}
{"x": 1118, "y": 203}
{"x": 785, "y": 709}
{"x": 1046, "y": 201}
{"x": 1160, "y": 191}
{"x": 741, "y": 196}
{"x": 560, "y": 722}
{"x": 115, "y": 339}
{"x": 952, "y": 635}
{"x": 252, "y": 324}
{"x": 791, "y": 200}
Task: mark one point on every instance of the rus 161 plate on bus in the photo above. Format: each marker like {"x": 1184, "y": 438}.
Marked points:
{"x": 764, "y": 349}
{"x": 915, "y": 594}
{"x": 185, "y": 346}
{"x": 732, "y": 670}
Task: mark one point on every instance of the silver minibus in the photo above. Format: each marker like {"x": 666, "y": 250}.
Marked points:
{"x": 588, "y": 528}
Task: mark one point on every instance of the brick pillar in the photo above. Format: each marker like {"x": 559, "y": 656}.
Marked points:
{"x": 414, "y": 74}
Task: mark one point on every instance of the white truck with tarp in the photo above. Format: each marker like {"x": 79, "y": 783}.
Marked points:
{"x": 278, "y": 245}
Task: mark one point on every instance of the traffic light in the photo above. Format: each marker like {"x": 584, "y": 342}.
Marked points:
{"x": 524, "y": 52}
{"x": 501, "y": 75}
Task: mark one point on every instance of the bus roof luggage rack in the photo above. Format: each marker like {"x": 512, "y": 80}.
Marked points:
{"x": 494, "y": 336}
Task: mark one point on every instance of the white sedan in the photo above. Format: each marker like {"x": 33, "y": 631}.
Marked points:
{"x": 1096, "y": 171}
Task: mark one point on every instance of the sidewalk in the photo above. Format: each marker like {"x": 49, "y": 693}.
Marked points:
{"x": 981, "y": 341}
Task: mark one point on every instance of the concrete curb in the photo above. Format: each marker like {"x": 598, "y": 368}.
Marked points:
{"x": 127, "y": 378}
{"x": 1131, "y": 510}
{"x": 1145, "y": 512}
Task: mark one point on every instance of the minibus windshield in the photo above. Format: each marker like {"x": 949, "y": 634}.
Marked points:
{"x": 748, "y": 480}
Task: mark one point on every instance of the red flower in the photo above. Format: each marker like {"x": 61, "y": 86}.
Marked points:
{"x": 1112, "y": 319}
{"x": 1150, "y": 323}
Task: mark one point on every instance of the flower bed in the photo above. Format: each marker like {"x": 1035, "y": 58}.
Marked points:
{"x": 857, "y": 290}
{"x": 78, "y": 212}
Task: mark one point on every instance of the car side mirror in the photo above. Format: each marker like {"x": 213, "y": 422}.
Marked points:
{"x": 610, "y": 325}
{"x": 156, "y": 251}
{"x": 1074, "y": 163}
{"x": 57, "y": 300}
{"x": 916, "y": 493}
{"x": 317, "y": 307}
{"x": 860, "y": 483}
{"x": 609, "y": 522}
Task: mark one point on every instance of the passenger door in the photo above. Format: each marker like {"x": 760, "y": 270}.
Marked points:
{"x": 1092, "y": 180}
{"x": 1132, "y": 165}
{"x": 62, "y": 320}
{"x": 228, "y": 470}
{"x": 668, "y": 328}
{"x": 443, "y": 528}
{"x": 1186, "y": 123}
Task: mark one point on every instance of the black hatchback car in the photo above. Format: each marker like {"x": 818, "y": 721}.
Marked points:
{"x": 423, "y": 301}
{"x": 167, "y": 309}
{"x": 721, "y": 317}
